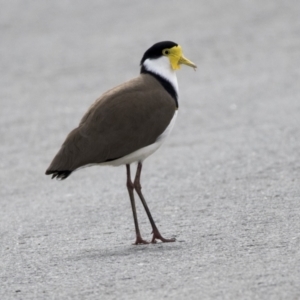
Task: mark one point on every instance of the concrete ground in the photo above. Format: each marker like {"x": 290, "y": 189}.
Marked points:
{"x": 226, "y": 184}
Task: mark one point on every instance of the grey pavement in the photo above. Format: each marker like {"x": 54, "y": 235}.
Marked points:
{"x": 226, "y": 184}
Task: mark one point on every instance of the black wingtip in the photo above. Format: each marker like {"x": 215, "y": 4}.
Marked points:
{"x": 60, "y": 175}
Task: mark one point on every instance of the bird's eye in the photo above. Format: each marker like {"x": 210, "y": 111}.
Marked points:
{"x": 166, "y": 52}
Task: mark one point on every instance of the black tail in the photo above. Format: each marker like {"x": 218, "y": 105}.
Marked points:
{"x": 61, "y": 175}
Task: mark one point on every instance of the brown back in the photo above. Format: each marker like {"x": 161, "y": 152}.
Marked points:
{"x": 124, "y": 119}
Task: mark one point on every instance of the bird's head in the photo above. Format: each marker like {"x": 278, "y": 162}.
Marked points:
{"x": 165, "y": 55}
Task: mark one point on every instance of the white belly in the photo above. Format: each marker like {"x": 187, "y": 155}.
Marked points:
{"x": 143, "y": 153}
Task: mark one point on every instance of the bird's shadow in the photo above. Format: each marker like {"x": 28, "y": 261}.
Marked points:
{"x": 121, "y": 251}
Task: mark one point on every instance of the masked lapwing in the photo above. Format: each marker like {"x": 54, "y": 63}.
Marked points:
{"x": 127, "y": 124}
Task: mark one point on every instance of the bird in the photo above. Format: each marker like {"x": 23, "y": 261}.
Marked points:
{"x": 127, "y": 124}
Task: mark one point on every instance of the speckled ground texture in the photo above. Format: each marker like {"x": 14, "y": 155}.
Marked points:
{"x": 226, "y": 184}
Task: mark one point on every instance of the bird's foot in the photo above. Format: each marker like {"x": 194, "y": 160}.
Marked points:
{"x": 157, "y": 235}
{"x": 140, "y": 241}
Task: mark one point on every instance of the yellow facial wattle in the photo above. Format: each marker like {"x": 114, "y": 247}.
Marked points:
{"x": 176, "y": 58}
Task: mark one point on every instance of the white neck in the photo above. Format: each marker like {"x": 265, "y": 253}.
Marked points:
{"x": 162, "y": 67}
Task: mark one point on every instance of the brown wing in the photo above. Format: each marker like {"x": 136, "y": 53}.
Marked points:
{"x": 125, "y": 119}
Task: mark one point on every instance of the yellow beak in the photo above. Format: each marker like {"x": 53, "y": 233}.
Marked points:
{"x": 176, "y": 58}
{"x": 185, "y": 61}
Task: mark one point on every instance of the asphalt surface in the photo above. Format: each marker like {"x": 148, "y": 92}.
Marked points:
{"x": 226, "y": 184}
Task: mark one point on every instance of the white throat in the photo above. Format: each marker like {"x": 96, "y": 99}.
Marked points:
{"x": 161, "y": 66}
